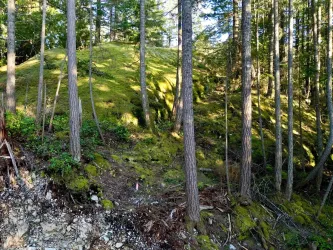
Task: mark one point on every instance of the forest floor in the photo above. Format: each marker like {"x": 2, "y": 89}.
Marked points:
{"x": 129, "y": 193}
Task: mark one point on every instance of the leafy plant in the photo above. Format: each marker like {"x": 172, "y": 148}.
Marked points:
{"x": 62, "y": 164}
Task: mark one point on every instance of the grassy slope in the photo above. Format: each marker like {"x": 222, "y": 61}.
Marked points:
{"x": 154, "y": 158}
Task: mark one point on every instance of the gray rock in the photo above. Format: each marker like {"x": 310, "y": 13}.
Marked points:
{"x": 119, "y": 245}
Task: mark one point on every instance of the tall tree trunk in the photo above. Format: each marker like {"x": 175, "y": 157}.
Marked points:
{"x": 41, "y": 68}
{"x": 98, "y": 21}
{"x": 144, "y": 94}
{"x": 235, "y": 34}
{"x": 10, "y": 88}
{"x": 176, "y": 101}
{"x": 278, "y": 132}
{"x": 329, "y": 101}
{"x": 192, "y": 196}
{"x": 320, "y": 173}
{"x": 245, "y": 181}
{"x": 329, "y": 144}
{"x": 258, "y": 93}
{"x": 317, "y": 76}
{"x": 271, "y": 53}
{"x": 90, "y": 75}
{"x": 61, "y": 76}
{"x": 290, "y": 180}
{"x": 74, "y": 119}
{"x": 227, "y": 84}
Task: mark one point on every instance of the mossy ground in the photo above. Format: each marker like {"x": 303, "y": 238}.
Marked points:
{"x": 135, "y": 155}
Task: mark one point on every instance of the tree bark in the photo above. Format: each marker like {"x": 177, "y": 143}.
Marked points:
{"x": 90, "y": 76}
{"x": 74, "y": 119}
{"x": 10, "y": 88}
{"x": 258, "y": 94}
{"x": 144, "y": 94}
{"x": 290, "y": 180}
{"x": 317, "y": 76}
{"x": 278, "y": 132}
{"x": 329, "y": 144}
{"x": 41, "y": 68}
{"x": 245, "y": 181}
{"x": 98, "y": 21}
{"x": 177, "y": 97}
{"x": 192, "y": 196}
{"x": 271, "y": 53}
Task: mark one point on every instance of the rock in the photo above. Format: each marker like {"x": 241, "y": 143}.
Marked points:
{"x": 49, "y": 227}
{"x": 49, "y": 195}
{"x": 119, "y": 245}
{"x": 22, "y": 228}
{"x": 50, "y": 248}
{"x": 94, "y": 198}
{"x": 232, "y": 247}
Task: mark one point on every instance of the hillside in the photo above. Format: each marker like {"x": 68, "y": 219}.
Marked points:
{"x": 138, "y": 176}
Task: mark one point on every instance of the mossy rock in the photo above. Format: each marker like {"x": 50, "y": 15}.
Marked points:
{"x": 206, "y": 243}
{"x": 91, "y": 170}
{"x": 101, "y": 162}
{"x": 107, "y": 204}
{"x": 79, "y": 184}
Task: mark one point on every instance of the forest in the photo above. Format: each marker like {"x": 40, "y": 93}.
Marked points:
{"x": 166, "y": 124}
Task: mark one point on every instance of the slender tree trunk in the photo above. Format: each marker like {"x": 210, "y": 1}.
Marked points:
{"x": 111, "y": 26}
{"x": 258, "y": 94}
{"x": 235, "y": 33}
{"x": 192, "y": 196}
{"x": 317, "y": 76}
{"x": 278, "y": 132}
{"x": 176, "y": 101}
{"x": 144, "y": 94}
{"x": 290, "y": 180}
{"x": 98, "y": 21}
{"x": 329, "y": 144}
{"x": 320, "y": 173}
{"x": 74, "y": 119}
{"x": 57, "y": 92}
{"x": 10, "y": 88}
{"x": 41, "y": 68}
{"x": 44, "y": 112}
{"x": 90, "y": 76}
{"x": 271, "y": 54}
{"x": 245, "y": 181}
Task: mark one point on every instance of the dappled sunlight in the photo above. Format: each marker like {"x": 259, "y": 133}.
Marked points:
{"x": 128, "y": 118}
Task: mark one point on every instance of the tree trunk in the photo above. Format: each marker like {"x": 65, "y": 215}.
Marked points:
{"x": 98, "y": 21}
{"x": 90, "y": 76}
{"x": 320, "y": 173}
{"x": 271, "y": 53}
{"x": 41, "y": 68}
{"x": 245, "y": 181}
{"x": 192, "y": 196}
{"x": 278, "y": 132}
{"x": 258, "y": 94}
{"x": 290, "y": 180}
{"x": 176, "y": 101}
{"x": 74, "y": 119}
{"x": 10, "y": 88}
{"x": 235, "y": 32}
{"x": 317, "y": 76}
{"x": 329, "y": 144}
{"x": 144, "y": 94}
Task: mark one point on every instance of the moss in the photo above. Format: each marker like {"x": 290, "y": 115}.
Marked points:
{"x": 91, "y": 170}
{"x": 107, "y": 204}
{"x": 101, "y": 162}
{"x": 244, "y": 222}
{"x": 206, "y": 243}
{"x": 174, "y": 176}
{"x": 79, "y": 184}
{"x": 62, "y": 135}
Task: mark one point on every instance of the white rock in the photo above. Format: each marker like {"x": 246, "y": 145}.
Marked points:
{"x": 119, "y": 245}
{"x": 232, "y": 247}
{"x": 22, "y": 228}
{"x": 49, "y": 195}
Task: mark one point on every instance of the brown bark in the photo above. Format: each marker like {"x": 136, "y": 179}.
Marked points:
{"x": 41, "y": 68}
{"x": 10, "y": 88}
{"x": 144, "y": 94}
{"x": 192, "y": 196}
{"x": 74, "y": 119}
{"x": 245, "y": 181}
{"x": 278, "y": 132}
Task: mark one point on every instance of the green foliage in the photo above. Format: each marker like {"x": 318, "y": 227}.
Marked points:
{"x": 79, "y": 184}
{"x": 121, "y": 132}
{"x": 19, "y": 125}
{"x": 107, "y": 204}
{"x": 206, "y": 243}
{"x": 62, "y": 164}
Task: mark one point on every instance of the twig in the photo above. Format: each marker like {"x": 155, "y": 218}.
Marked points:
{"x": 12, "y": 158}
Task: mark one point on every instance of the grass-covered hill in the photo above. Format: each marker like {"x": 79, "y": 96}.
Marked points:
{"x": 135, "y": 157}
